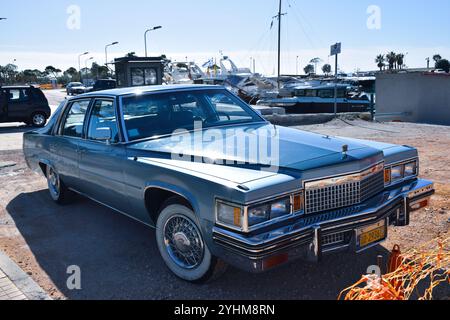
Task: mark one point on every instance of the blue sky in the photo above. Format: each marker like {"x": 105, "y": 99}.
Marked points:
{"x": 36, "y": 32}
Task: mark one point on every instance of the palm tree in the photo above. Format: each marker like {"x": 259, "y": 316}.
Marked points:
{"x": 380, "y": 61}
{"x": 391, "y": 58}
{"x": 400, "y": 60}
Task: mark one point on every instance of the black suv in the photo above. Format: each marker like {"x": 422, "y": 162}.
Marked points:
{"x": 103, "y": 84}
{"x": 24, "y": 104}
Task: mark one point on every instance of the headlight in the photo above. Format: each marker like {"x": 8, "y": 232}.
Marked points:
{"x": 230, "y": 215}
{"x": 257, "y": 215}
{"x": 272, "y": 210}
{"x": 243, "y": 218}
{"x": 396, "y": 173}
{"x": 401, "y": 171}
{"x": 411, "y": 169}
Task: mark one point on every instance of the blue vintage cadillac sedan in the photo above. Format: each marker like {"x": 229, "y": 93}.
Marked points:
{"x": 219, "y": 183}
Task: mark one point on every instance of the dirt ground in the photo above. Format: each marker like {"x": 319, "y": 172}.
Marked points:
{"x": 120, "y": 257}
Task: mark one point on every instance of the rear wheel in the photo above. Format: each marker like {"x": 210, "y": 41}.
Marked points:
{"x": 182, "y": 247}
{"x": 38, "y": 119}
{"x": 58, "y": 190}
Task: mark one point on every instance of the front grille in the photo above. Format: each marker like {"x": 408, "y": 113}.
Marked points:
{"x": 334, "y": 239}
{"x": 341, "y": 192}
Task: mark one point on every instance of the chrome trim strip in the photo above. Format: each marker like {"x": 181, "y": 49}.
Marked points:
{"x": 343, "y": 174}
{"x": 343, "y": 179}
{"x": 122, "y": 121}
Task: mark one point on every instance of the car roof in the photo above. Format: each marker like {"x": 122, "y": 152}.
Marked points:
{"x": 17, "y": 87}
{"x": 143, "y": 90}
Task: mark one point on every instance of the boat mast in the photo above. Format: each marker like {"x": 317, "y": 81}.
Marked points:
{"x": 279, "y": 44}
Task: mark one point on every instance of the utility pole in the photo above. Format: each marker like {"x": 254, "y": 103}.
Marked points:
{"x": 428, "y": 62}
{"x": 335, "y": 51}
{"x": 279, "y": 43}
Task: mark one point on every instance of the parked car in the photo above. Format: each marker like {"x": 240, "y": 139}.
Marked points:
{"x": 74, "y": 88}
{"x": 24, "y": 104}
{"x": 215, "y": 202}
{"x": 103, "y": 84}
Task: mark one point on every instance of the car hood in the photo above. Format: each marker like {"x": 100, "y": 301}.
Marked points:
{"x": 293, "y": 150}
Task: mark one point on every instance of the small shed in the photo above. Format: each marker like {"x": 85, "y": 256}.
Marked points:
{"x": 139, "y": 71}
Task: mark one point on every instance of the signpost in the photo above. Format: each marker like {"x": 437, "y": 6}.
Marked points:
{"x": 336, "y": 49}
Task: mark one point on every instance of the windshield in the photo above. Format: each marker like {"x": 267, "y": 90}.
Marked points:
{"x": 160, "y": 114}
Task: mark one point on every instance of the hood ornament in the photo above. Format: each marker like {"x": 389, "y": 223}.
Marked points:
{"x": 344, "y": 151}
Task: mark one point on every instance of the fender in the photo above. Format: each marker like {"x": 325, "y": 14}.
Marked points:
{"x": 175, "y": 189}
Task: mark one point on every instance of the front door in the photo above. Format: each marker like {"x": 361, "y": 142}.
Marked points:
{"x": 101, "y": 163}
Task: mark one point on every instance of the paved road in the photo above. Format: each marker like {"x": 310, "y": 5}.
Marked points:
{"x": 11, "y": 133}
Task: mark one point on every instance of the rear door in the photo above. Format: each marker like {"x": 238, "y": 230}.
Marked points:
{"x": 101, "y": 163}
{"x": 65, "y": 145}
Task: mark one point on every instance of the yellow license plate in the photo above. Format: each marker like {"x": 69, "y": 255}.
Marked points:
{"x": 372, "y": 235}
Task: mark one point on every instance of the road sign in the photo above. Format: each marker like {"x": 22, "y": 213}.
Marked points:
{"x": 336, "y": 49}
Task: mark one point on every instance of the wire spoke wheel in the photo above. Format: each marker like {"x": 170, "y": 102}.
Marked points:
{"x": 183, "y": 242}
{"x": 54, "y": 182}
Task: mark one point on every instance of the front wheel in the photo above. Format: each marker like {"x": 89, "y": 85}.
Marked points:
{"x": 182, "y": 247}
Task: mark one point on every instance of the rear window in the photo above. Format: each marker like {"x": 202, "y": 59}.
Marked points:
{"x": 39, "y": 95}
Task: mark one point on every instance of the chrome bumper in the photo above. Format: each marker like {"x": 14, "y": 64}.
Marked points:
{"x": 311, "y": 236}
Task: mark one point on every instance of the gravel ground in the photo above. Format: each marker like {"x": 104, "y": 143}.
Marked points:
{"x": 119, "y": 259}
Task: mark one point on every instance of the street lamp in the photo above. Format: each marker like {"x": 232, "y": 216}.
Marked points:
{"x": 145, "y": 37}
{"x": 79, "y": 64}
{"x": 85, "y": 62}
{"x": 106, "y": 51}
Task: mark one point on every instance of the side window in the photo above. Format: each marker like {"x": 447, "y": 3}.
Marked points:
{"x": 73, "y": 124}
{"x": 18, "y": 95}
{"x": 103, "y": 115}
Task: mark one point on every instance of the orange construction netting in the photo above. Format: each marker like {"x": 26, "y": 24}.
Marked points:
{"x": 427, "y": 267}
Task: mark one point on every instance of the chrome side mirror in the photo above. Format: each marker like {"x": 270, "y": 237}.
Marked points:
{"x": 103, "y": 134}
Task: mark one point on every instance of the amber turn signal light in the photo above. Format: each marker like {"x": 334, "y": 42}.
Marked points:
{"x": 387, "y": 176}
{"x": 298, "y": 202}
{"x": 237, "y": 217}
